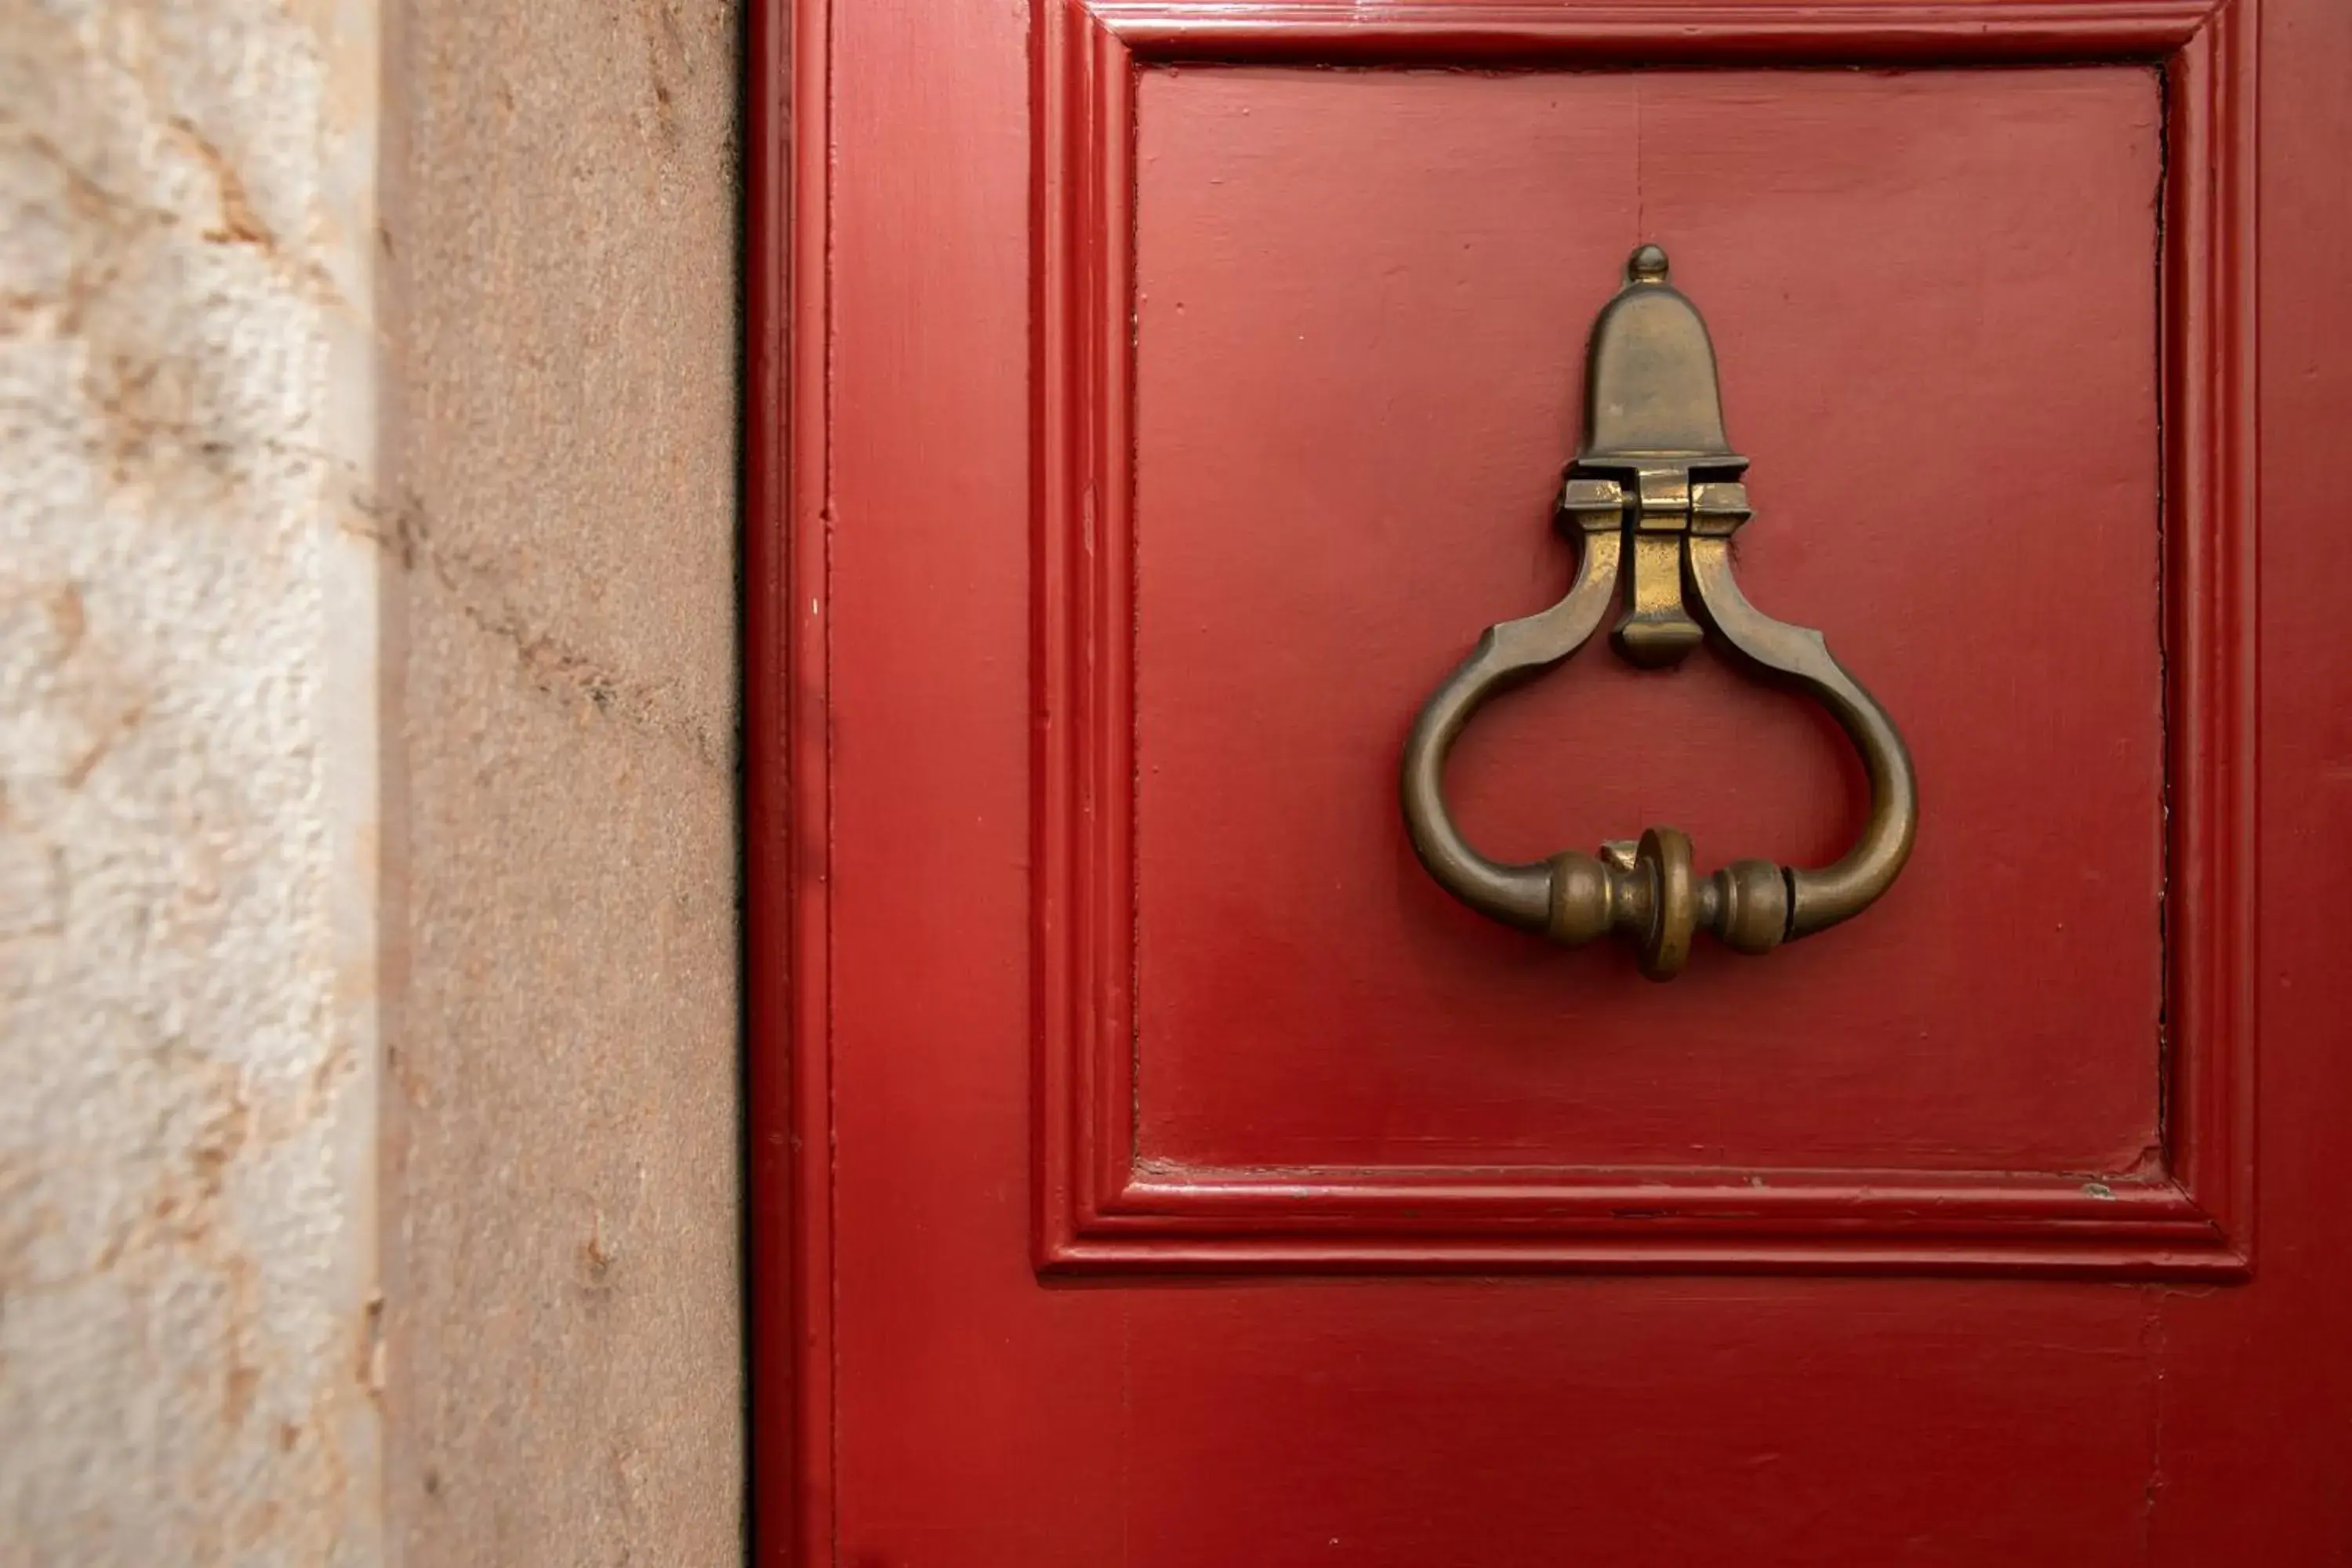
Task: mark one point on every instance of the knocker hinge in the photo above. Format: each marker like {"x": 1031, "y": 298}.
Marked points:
{"x": 1666, "y": 510}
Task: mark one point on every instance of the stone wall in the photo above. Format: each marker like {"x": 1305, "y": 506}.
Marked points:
{"x": 188, "y": 777}
{"x": 368, "y": 1162}
{"x": 565, "y": 1298}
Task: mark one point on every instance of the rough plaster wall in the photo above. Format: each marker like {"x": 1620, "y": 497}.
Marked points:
{"x": 187, "y": 784}
{"x": 564, "y": 1291}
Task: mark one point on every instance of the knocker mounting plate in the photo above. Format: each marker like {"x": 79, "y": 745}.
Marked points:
{"x": 1654, "y": 497}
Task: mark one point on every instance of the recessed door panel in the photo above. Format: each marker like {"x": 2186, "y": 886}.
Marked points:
{"x": 1361, "y": 299}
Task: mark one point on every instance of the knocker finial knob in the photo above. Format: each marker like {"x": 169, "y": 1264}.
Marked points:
{"x": 1646, "y": 265}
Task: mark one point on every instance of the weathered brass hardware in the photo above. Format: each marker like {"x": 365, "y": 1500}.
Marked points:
{"x": 1654, "y": 495}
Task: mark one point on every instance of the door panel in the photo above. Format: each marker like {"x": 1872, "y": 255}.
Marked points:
{"x": 1360, "y": 303}
{"x": 1280, "y": 1083}
{"x": 1318, "y": 528}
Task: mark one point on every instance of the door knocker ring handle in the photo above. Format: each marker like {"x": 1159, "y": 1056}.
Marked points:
{"x": 1654, "y": 479}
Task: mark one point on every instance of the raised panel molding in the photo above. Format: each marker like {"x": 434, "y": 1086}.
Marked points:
{"x": 2187, "y": 1213}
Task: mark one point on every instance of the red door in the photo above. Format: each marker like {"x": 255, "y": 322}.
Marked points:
{"x": 1153, "y": 1164}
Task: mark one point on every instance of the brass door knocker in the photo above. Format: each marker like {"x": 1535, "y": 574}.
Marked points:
{"x": 1655, "y": 478}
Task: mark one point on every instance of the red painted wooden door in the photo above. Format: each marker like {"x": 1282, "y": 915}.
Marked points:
{"x": 1154, "y": 399}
